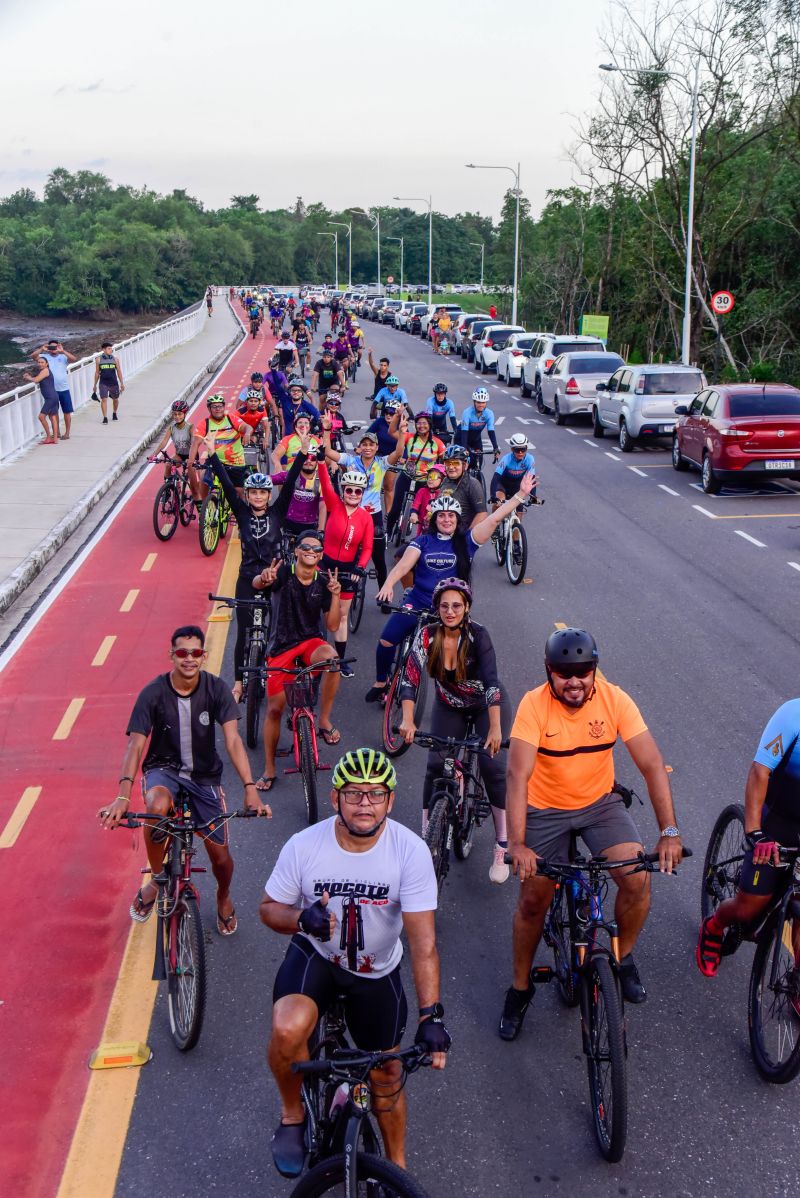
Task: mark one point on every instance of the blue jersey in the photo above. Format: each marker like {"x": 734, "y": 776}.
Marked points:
{"x": 440, "y": 413}
{"x": 437, "y": 560}
{"x": 779, "y": 750}
{"x": 387, "y": 443}
{"x": 290, "y": 413}
{"x": 384, "y": 393}
{"x": 512, "y": 468}
{"x": 473, "y": 425}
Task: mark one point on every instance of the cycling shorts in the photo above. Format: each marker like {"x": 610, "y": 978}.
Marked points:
{"x": 331, "y": 563}
{"x": 375, "y": 1009}
{"x": 290, "y": 657}
{"x": 237, "y": 475}
{"x": 601, "y": 825}
{"x": 205, "y": 799}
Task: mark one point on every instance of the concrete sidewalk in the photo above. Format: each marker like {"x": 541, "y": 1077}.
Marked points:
{"x": 48, "y": 490}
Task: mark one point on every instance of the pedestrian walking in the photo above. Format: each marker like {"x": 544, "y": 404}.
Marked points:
{"x": 58, "y": 359}
{"x": 48, "y": 416}
{"x": 107, "y": 380}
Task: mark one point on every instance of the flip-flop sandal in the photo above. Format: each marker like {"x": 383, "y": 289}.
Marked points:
{"x": 331, "y": 736}
{"x": 709, "y": 950}
{"x": 224, "y": 923}
{"x": 269, "y": 783}
{"x": 145, "y": 909}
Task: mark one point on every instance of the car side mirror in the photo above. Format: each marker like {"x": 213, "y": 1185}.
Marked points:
{"x": 526, "y": 353}
{"x": 601, "y": 387}
{"x": 681, "y": 410}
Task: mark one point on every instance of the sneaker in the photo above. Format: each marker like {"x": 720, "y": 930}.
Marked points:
{"x": 632, "y": 989}
{"x": 289, "y": 1148}
{"x": 346, "y": 670}
{"x": 499, "y": 871}
{"x": 113, "y": 415}
{"x": 375, "y": 694}
{"x": 514, "y": 1008}
{"x": 105, "y": 420}
{"x": 709, "y": 949}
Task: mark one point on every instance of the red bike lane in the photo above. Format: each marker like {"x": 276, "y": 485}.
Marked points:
{"x": 66, "y": 696}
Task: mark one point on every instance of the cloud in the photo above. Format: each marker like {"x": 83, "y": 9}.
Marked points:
{"x": 98, "y": 162}
{"x": 99, "y": 85}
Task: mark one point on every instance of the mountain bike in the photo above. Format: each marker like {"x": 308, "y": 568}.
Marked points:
{"x": 459, "y": 803}
{"x": 773, "y": 1015}
{"x": 359, "y": 591}
{"x": 475, "y": 469}
{"x": 215, "y": 515}
{"x": 174, "y": 502}
{"x": 343, "y": 1144}
{"x": 585, "y": 947}
{"x": 511, "y": 543}
{"x": 180, "y": 944}
{"x": 255, "y": 654}
{"x": 393, "y": 743}
{"x": 400, "y": 532}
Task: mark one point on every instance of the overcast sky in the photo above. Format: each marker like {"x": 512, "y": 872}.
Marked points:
{"x": 349, "y": 104}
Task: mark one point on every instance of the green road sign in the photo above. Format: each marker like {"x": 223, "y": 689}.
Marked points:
{"x": 595, "y": 326}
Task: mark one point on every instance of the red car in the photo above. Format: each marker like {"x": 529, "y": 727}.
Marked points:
{"x": 741, "y": 435}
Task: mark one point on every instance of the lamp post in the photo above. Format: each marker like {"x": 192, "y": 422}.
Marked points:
{"x": 478, "y": 167}
{"x": 429, "y": 202}
{"x": 375, "y": 216}
{"x": 480, "y": 245}
{"x": 349, "y": 226}
{"x": 401, "y": 240}
{"x": 686, "y": 335}
{"x": 335, "y": 237}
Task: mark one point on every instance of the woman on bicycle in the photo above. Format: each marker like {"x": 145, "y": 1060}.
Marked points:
{"x": 459, "y": 656}
{"x": 422, "y": 450}
{"x": 349, "y": 535}
{"x": 181, "y": 433}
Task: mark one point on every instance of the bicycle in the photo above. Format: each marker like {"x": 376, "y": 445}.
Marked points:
{"x": 587, "y": 973}
{"x": 475, "y": 469}
{"x": 180, "y": 944}
{"x": 254, "y": 325}
{"x": 215, "y": 515}
{"x": 459, "y": 803}
{"x": 773, "y": 1019}
{"x": 343, "y": 1145}
{"x": 174, "y": 502}
{"x": 401, "y": 531}
{"x": 255, "y": 653}
{"x": 393, "y": 743}
{"x": 511, "y": 543}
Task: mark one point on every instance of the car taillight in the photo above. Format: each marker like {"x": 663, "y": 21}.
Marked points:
{"x": 488, "y": 343}
{"x": 639, "y": 388}
{"x": 517, "y": 353}
{"x": 734, "y": 432}
{"x": 548, "y": 362}
{"x": 572, "y": 388}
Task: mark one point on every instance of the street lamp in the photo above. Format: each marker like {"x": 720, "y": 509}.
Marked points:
{"x": 347, "y": 225}
{"x": 401, "y": 240}
{"x": 687, "y": 282}
{"x": 474, "y": 167}
{"x": 480, "y": 245}
{"x": 429, "y": 202}
{"x": 375, "y": 217}
{"x": 335, "y": 237}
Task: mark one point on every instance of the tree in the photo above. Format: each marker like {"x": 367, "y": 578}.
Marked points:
{"x": 245, "y": 203}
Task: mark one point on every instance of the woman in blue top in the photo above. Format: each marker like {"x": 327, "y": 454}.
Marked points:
{"x": 442, "y": 552}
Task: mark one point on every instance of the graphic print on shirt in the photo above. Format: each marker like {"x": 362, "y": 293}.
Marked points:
{"x": 354, "y": 895}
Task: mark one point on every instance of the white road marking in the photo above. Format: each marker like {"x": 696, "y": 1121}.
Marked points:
{"x": 705, "y": 511}
{"x": 523, "y": 420}
{"x": 592, "y": 442}
{"x": 794, "y": 565}
{"x": 527, "y": 403}
{"x": 572, "y": 430}
{"x": 747, "y": 537}
{"x": 498, "y": 420}
{"x": 669, "y": 490}
{"x": 610, "y": 455}
{"x": 535, "y": 421}
{"x": 616, "y": 449}
{"x": 641, "y": 473}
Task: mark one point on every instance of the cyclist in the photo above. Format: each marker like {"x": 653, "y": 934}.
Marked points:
{"x": 425, "y": 495}
{"x": 288, "y": 447}
{"x": 288, "y": 357}
{"x": 441, "y": 409}
{"x": 254, "y": 414}
{"x": 255, "y": 319}
{"x": 336, "y": 308}
{"x": 422, "y": 449}
{"x": 349, "y": 536}
{"x": 392, "y": 392}
{"x": 277, "y": 384}
{"x": 355, "y": 339}
{"x": 442, "y": 552}
{"x": 474, "y": 421}
{"x": 229, "y": 434}
{"x": 511, "y": 468}
{"x": 298, "y": 404}
{"x": 327, "y": 373}
{"x": 381, "y": 372}
{"x": 771, "y": 819}
{"x": 297, "y": 639}
{"x": 385, "y": 426}
{"x": 459, "y": 655}
{"x": 306, "y": 510}
{"x": 302, "y": 340}
{"x": 462, "y": 486}
{"x": 256, "y": 384}
{"x": 339, "y": 426}
{"x": 179, "y": 712}
{"x": 276, "y": 317}
{"x": 341, "y": 352}
{"x": 560, "y": 780}
{"x": 344, "y": 890}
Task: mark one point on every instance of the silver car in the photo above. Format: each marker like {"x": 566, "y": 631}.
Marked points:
{"x": 638, "y": 402}
{"x": 569, "y": 386}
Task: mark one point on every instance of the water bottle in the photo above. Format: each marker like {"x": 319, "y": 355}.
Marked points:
{"x": 340, "y": 1097}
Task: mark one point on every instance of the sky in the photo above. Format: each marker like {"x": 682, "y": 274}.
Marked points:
{"x": 347, "y": 104}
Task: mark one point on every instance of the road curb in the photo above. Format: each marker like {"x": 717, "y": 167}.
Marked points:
{"x": 21, "y": 578}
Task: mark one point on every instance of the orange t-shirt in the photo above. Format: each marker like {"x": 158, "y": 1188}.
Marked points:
{"x": 575, "y": 748}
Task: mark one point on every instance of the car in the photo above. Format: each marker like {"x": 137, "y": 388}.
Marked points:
{"x": 471, "y": 289}
{"x": 638, "y": 403}
{"x": 374, "y": 306}
{"x": 741, "y": 434}
{"x": 569, "y": 386}
{"x": 453, "y": 309}
{"x": 414, "y": 319}
{"x": 462, "y": 324}
{"x": 386, "y": 314}
{"x": 544, "y": 353}
{"x": 491, "y": 341}
{"x": 471, "y": 335}
{"x": 511, "y": 357}
{"x": 401, "y": 314}
{"x": 392, "y": 288}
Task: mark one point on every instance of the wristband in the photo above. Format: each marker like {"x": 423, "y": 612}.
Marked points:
{"x": 248, "y": 784}
{"x": 127, "y": 778}
{"x": 123, "y": 799}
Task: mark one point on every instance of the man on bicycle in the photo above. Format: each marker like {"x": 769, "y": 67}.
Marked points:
{"x": 231, "y": 435}
{"x": 462, "y": 486}
{"x": 298, "y": 404}
{"x": 560, "y": 783}
{"x": 511, "y": 469}
{"x": 344, "y": 890}
{"x": 474, "y": 422}
{"x": 286, "y": 350}
{"x": 441, "y": 409}
{"x": 392, "y": 392}
{"x": 771, "y": 819}
{"x": 327, "y": 373}
{"x": 178, "y": 712}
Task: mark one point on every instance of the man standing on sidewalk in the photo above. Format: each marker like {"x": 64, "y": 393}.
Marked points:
{"x": 108, "y": 374}
{"x": 58, "y": 359}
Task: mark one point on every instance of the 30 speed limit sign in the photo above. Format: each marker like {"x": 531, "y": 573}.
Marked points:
{"x": 722, "y": 302}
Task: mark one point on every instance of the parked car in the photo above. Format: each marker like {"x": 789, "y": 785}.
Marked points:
{"x": 544, "y": 353}
{"x": 491, "y": 341}
{"x": 511, "y": 357}
{"x": 414, "y": 317}
{"x": 453, "y": 309}
{"x": 402, "y": 312}
{"x": 742, "y": 434}
{"x": 386, "y": 314}
{"x": 471, "y": 335}
{"x": 374, "y": 307}
{"x": 639, "y": 402}
{"x": 462, "y": 324}
{"x": 569, "y": 387}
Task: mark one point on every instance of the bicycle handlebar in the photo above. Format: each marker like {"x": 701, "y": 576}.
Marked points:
{"x": 351, "y": 1063}
{"x": 643, "y": 861}
{"x": 406, "y": 611}
{"x": 327, "y": 664}
{"x": 135, "y": 819}
{"x": 429, "y": 740}
{"x": 230, "y": 601}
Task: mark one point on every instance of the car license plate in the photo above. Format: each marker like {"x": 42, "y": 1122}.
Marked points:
{"x": 781, "y": 464}
{"x": 667, "y": 428}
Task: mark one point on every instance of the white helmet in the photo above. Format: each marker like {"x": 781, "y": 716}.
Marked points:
{"x": 444, "y": 503}
{"x": 480, "y": 396}
{"x": 518, "y": 441}
{"x": 354, "y": 478}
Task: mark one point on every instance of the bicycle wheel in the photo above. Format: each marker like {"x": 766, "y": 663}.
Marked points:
{"x": 608, "y": 1082}
{"x": 166, "y": 511}
{"x": 375, "y": 1176}
{"x": 255, "y": 691}
{"x": 186, "y": 511}
{"x": 516, "y": 553}
{"x": 464, "y": 827}
{"x": 558, "y": 937}
{"x": 498, "y": 541}
{"x": 393, "y": 743}
{"x": 308, "y": 768}
{"x": 723, "y": 863}
{"x": 437, "y": 835}
{"x": 772, "y": 1018}
{"x": 209, "y": 524}
{"x": 186, "y": 974}
{"x": 357, "y": 607}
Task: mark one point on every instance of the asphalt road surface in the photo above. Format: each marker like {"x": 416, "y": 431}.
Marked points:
{"x": 699, "y": 624}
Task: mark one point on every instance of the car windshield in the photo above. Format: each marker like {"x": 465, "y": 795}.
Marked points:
{"x": 524, "y": 342}
{"x": 756, "y": 403}
{"x": 589, "y": 364}
{"x": 673, "y": 382}
{"x": 574, "y": 347}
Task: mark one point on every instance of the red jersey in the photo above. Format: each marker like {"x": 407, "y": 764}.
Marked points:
{"x": 348, "y": 534}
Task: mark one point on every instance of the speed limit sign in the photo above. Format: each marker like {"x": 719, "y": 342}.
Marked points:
{"x": 722, "y": 302}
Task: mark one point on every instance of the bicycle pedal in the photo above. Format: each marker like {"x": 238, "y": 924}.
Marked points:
{"x": 541, "y": 975}
{"x": 291, "y": 769}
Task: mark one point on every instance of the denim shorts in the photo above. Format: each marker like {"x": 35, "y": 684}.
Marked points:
{"x": 65, "y": 399}
{"x": 205, "y": 799}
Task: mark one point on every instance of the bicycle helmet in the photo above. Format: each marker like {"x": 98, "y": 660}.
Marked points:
{"x": 216, "y": 398}
{"x": 392, "y": 381}
{"x": 458, "y": 453}
{"x": 436, "y": 468}
{"x": 180, "y": 405}
{"x": 391, "y": 405}
{"x": 333, "y": 401}
{"x": 451, "y": 584}
{"x": 258, "y": 482}
{"x": 480, "y": 396}
{"x": 354, "y": 478}
{"x": 570, "y": 647}
{"x": 327, "y": 351}
{"x": 253, "y": 394}
{"x": 518, "y": 441}
{"x": 444, "y": 503}
{"x": 440, "y": 389}
{"x": 363, "y": 765}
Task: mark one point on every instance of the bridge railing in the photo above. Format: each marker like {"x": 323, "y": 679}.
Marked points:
{"x": 19, "y": 409}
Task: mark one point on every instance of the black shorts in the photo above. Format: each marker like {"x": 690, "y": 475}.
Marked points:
{"x": 375, "y": 1009}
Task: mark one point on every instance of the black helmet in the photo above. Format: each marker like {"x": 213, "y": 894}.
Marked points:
{"x": 570, "y": 647}
{"x": 440, "y": 389}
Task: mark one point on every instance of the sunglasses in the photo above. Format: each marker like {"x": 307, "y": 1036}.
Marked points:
{"x": 353, "y": 490}
{"x": 519, "y": 451}
{"x": 182, "y": 654}
{"x": 573, "y": 671}
{"x": 309, "y": 548}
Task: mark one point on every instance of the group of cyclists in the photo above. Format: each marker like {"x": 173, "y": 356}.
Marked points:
{"x": 344, "y": 889}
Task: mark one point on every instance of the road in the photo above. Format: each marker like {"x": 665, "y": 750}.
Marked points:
{"x": 699, "y": 624}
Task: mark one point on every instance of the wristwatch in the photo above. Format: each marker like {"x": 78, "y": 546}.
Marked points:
{"x": 434, "y": 1011}
{"x": 670, "y": 831}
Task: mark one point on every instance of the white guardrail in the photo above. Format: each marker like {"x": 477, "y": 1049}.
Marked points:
{"x": 19, "y": 409}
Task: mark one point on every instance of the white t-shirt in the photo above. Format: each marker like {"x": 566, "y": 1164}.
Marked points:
{"x": 394, "y": 876}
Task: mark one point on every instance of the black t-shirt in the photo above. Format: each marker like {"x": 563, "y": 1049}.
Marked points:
{"x": 300, "y": 610}
{"x": 327, "y": 375}
{"x": 380, "y": 383}
{"x": 181, "y": 727}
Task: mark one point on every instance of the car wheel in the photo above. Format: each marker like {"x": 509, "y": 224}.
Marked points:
{"x": 678, "y": 460}
{"x": 537, "y": 391}
{"x": 711, "y": 484}
{"x": 597, "y": 429}
{"x": 524, "y": 389}
{"x": 484, "y": 367}
{"x": 559, "y": 416}
{"x": 626, "y": 442}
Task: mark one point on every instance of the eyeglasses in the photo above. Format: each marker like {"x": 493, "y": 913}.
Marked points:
{"x": 355, "y": 798}
{"x": 573, "y": 671}
{"x": 451, "y": 607}
{"x": 310, "y": 548}
{"x": 353, "y": 490}
{"x": 182, "y": 654}
{"x": 519, "y": 451}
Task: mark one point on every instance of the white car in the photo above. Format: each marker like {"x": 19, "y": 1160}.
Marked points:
{"x": 544, "y": 353}
{"x": 512, "y": 356}
{"x": 569, "y": 386}
{"x": 490, "y": 342}
{"x": 401, "y": 315}
{"x": 463, "y": 321}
